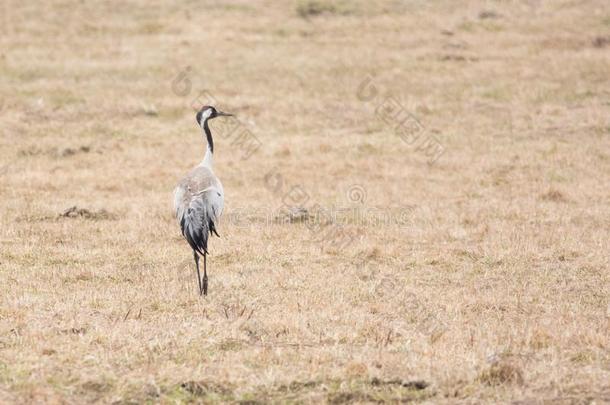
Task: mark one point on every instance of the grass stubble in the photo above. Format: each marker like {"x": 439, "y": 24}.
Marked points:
{"x": 494, "y": 289}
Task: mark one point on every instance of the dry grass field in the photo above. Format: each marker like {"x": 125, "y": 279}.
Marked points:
{"x": 417, "y": 201}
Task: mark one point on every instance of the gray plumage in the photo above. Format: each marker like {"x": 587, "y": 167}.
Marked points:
{"x": 199, "y": 200}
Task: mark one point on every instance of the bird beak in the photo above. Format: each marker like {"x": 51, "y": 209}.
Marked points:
{"x": 223, "y": 114}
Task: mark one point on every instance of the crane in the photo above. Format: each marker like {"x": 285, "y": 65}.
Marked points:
{"x": 199, "y": 200}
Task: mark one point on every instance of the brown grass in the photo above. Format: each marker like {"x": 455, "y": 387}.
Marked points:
{"x": 482, "y": 277}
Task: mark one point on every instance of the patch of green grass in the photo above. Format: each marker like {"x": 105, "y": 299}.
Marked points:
{"x": 27, "y": 75}
{"x": 334, "y": 391}
{"x": 150, "y": 28}
{"x": 230, "y": 345}
{"x": 281, "y": 32}
{"x": 178, "y": 395}
{"x": 497, "y": 94}
{"x": 192, "y": 390}
{"x": 467, "y": 26}
{"x": 576, "y": 97}
{"x": 584, "y": 357}
{"x": 492, "y": 27}
{"x": 120, "y": 134}
{"x": 4, "y": 373}
{"x": 13, "y": 375}
{"x": 235, "y": 7}
{"x": 312, "y": 8}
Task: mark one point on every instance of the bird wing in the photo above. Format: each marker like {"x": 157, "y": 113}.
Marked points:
{"x": 199, "y": 202}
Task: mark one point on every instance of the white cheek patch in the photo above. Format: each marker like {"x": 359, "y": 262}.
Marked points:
{"x": 205, "y": 115}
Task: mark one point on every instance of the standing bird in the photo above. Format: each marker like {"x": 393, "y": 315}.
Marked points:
{"x": 199, "y": 199}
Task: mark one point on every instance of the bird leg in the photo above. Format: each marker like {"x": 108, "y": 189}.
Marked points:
{"x": 197, "y": 264}
{"x": 205, "y": 275}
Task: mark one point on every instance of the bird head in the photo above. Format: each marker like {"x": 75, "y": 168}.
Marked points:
{"x": 208, "y": 112}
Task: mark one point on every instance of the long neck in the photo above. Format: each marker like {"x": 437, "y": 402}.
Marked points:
{"x": 207, "y": 159}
